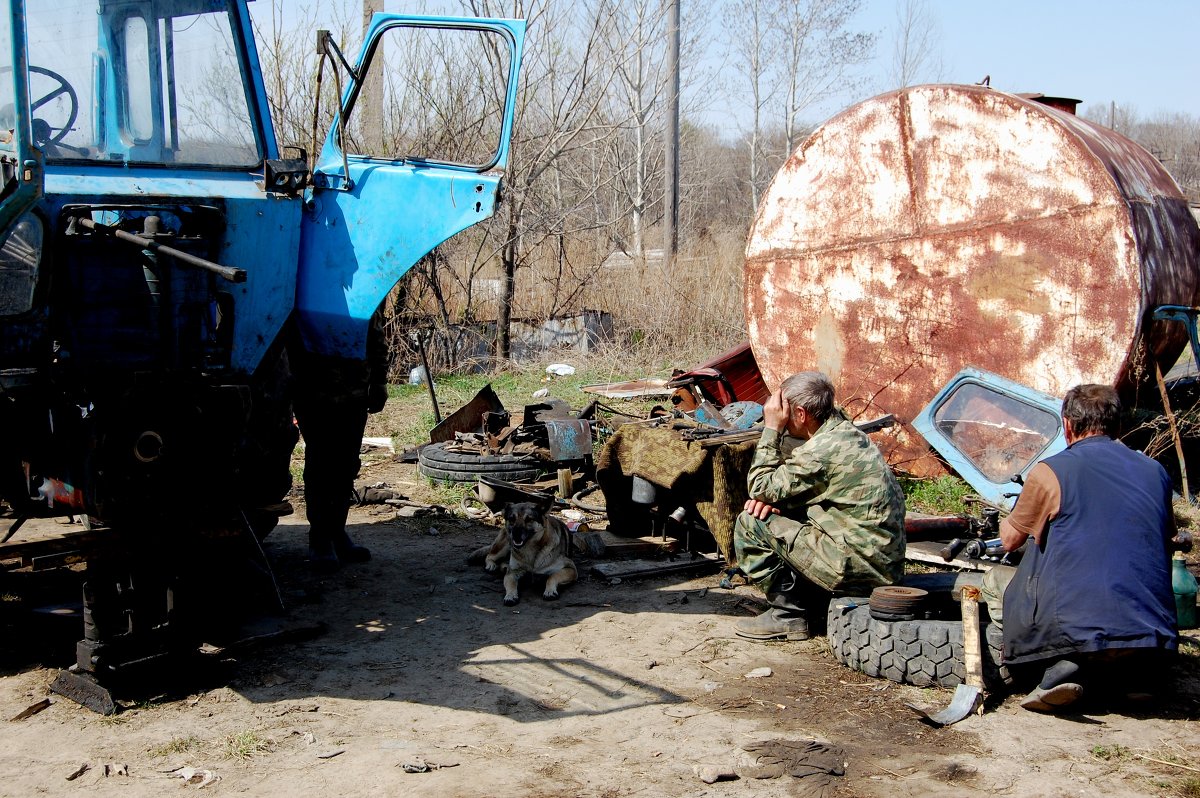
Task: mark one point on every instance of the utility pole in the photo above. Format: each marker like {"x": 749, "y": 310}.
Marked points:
{"x": 370, "y": 98}
{"x": 671, "y": 197}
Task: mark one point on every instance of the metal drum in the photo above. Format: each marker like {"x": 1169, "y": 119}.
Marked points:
{"x": 943, "y": 226}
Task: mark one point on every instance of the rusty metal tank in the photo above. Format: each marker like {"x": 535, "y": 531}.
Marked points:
{"x": 944, "y": 226}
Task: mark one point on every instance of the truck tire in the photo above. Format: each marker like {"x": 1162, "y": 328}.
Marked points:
{"x": 436, "y": 462}
{"x": 924, "y": 653}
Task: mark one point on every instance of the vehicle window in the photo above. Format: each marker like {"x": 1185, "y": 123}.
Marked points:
{"x": 8, "y": 113}
{"x": 432, "y": 94}
{"x": 157, "y": 82}
{"x": 19, "y": 255}
{"x": 139, "y": 118}
{"x": 1000, "y": 435}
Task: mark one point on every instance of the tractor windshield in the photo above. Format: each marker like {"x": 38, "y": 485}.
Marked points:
{"x": 145, "y": 81}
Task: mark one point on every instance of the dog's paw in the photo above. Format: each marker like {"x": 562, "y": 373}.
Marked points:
{"x": 511, "y": 601}
{"x": 550, "y": 595}
{"x": 491, "y": 567}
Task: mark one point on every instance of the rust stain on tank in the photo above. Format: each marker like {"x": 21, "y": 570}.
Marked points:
{"x": 943, "y": 226}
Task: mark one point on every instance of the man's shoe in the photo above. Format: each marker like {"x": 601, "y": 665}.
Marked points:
{"x": 1052, "y": 699}
{"x": 776, "y": 623}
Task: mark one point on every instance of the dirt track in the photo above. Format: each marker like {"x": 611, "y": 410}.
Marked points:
{"x": 614, "y": 690}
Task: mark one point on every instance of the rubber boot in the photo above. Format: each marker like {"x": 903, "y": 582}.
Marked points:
{"x": 322, "y": 556}
{"x": 327, "y": 553}
{"x": 348, "y": 551}
{"x": 1056, "y": 690}
{"x": 785, "y": 619}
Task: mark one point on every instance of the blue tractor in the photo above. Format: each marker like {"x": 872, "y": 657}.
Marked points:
{"x": 161, "y": 255}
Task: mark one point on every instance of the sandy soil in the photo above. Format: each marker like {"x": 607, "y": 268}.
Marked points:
{"x": 614, "y": 690}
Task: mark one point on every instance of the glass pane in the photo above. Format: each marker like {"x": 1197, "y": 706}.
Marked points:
{"x": 435, "y": 94}
{"x": 139, "y": 113}
{"x": 213, "y": 116}
{"x": 19, "y": 256}
{"x": 8, "y": 113}
{"x": 177, "y": 74}
{"x": 1001, "y": 436}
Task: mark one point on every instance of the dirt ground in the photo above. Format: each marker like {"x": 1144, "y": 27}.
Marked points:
{"x": 614, "y": 690}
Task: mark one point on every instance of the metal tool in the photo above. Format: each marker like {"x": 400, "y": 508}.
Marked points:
{"x": 968, "y": 696}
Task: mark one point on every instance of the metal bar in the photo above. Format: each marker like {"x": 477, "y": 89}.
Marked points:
{"x": 437, "y": 412}
{"x": 228, "y": 272}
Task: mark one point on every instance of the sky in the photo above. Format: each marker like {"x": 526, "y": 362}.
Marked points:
{"x": 1143, "y": 55}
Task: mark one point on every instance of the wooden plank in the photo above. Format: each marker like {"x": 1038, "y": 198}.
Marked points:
{"x": 630, "y": 569}
{"x": 926, "y": 552}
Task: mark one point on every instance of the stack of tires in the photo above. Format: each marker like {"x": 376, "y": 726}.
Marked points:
{"x": 440, "y": 463}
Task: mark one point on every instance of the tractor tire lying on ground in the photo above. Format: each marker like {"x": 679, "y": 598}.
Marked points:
{"x": 438, "y": 463}
{"x": 923, "y": 653}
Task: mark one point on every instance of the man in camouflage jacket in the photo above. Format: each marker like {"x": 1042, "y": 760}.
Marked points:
{"x": 824, "y": 515}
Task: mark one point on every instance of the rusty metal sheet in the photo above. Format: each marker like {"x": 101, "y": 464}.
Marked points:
{"x": 942, "y": 226}
{"x": 469, "y": 417}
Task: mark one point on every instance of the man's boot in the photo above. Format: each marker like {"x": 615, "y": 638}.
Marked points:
{"x": 785, "y": 619}
{"x": 322, "y": 556}
{"x": 328, "y": 552}
{"x": 348, "y": 551}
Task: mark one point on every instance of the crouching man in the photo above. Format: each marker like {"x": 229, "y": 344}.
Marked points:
{"x": 824, "y": 515}
{"x": 1093, "y": 590}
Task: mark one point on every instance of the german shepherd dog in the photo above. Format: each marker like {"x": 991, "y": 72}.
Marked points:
{"x": 533, "y": 542}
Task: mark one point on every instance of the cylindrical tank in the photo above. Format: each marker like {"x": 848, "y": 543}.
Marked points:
{"x": 944, "y": 226}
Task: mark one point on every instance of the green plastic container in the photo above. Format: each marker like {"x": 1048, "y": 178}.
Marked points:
{"x": 1183, "y": 585}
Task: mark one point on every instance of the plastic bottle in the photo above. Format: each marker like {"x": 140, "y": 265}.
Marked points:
{"x": 1183, "y": 585}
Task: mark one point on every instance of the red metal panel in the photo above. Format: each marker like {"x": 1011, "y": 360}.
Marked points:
{"x": 944, "y": 226}
{"x": 741, "y": 369}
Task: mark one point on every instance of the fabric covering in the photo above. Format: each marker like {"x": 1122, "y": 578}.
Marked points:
{"x": 711, "y": 480}
{"x": 1100, "y": 578}
{"x": 815, "y": 763}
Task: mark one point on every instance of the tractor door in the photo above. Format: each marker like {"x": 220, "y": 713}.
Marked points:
{"x": 20, "y": 162}
{"x": 413, "y": 157}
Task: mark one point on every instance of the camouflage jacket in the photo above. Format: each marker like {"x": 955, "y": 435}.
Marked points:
{"x": 838, "y": 482}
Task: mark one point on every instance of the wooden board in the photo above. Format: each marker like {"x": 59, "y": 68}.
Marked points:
{"x": 926, "y": 552}
{"x": 630, "y": 569}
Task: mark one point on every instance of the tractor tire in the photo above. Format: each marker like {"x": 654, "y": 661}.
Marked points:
{"x": 435, "y": 462}
{"x": 924, "y": 653}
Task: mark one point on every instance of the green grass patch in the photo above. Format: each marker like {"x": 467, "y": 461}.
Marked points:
{"x": 408, "y": 416}
{"x": 246, "y": 745}
{"x": 942, "y": 496}
{"x": 1188, "y": 788}
{"x": 179, "y": 745}
{"x": 1110, "y": 753}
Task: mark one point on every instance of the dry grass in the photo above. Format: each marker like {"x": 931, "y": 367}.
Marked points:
{"x": 660, "y": 317}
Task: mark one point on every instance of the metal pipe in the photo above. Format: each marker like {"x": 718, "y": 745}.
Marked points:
{"x": 437, "y": 412}
{"x": 227, "y": 272}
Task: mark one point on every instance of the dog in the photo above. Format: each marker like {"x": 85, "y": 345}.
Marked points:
{"x": 533, "y": 542}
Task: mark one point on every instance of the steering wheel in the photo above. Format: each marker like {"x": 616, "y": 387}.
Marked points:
{"x": 41, "y": 133}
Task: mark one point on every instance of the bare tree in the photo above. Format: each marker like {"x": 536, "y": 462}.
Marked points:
{"x": 752, "y": 45}
{"x": 638, "y": 27}
{"x": 560, "y": 112}
{"x": 916, "y": 55}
